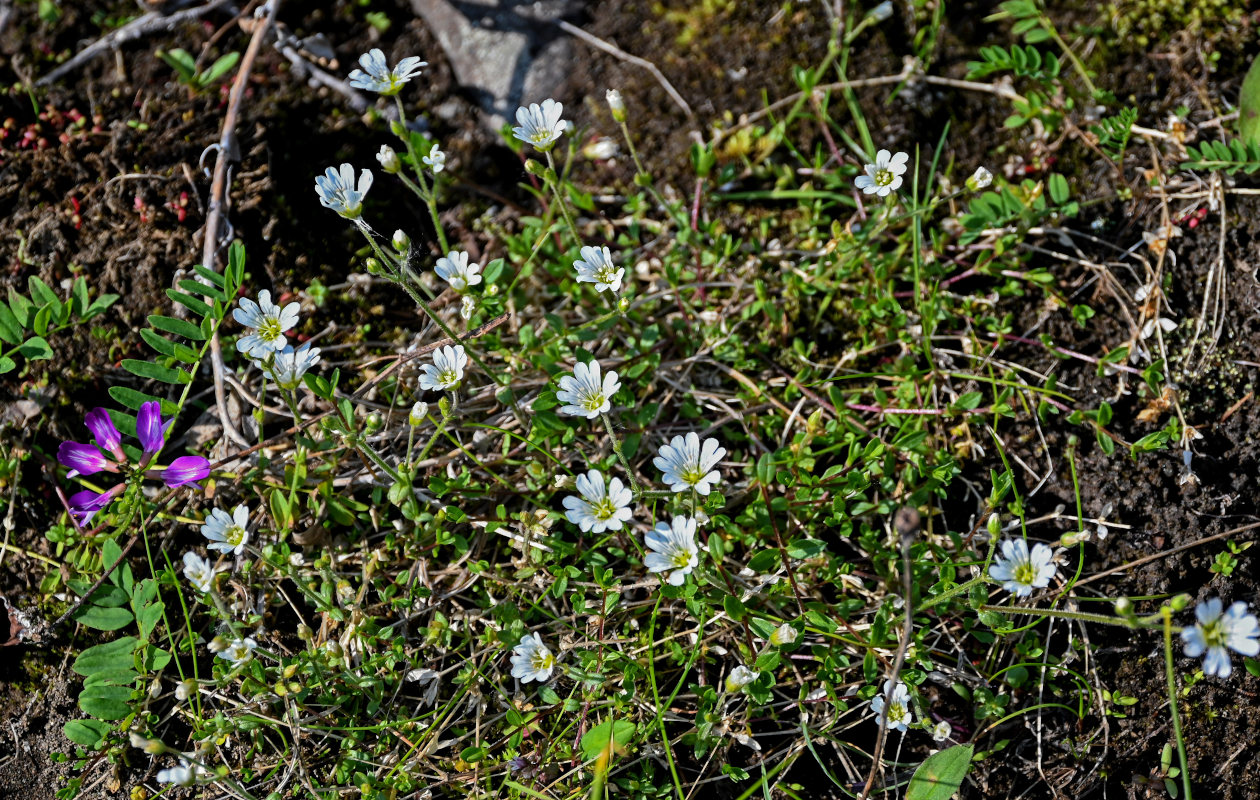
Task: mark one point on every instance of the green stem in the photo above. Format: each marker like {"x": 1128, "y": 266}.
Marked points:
{"x": 375, "y": 457}
{"x": 553, "y": 181}
{"x": 616, "y": 444}
{"x": 425, "y": 195}
{"x": 1166, "y": 611}
{"x": 1077, "y": 64}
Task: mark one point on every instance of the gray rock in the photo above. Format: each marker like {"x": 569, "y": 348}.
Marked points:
{"x": 508, "y": 53}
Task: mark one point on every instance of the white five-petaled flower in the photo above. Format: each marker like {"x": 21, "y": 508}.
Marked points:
{"x": 539, "y": 125}
{"x": 435, "y": 160}
{"x": 455, "y": 270}
{"x": 600, "y": 508}
{"x": 447, "y": 369}
{"x": 238, "y": 651}
{"x": 376, "y": 76}
{"x": 182, "y": 774}
{"x": 688, "y": 464}
{"x": 268, "y": 322}
{"x": 1020, "y": 571}
{"x": 1237, "y": 629}
{"x": 898, "y": 709}
{"x": 586, "y": 394}
{"x": 337, "y": 190}
{"x": 740, "y": 677}
{"x": 291, "y": 364}
{"x": 199, "y": 571}
{"x": 596, "y": 266}
{"x": 531, "y": 660}
{"x": 228, "y": 533}
{"x": 672, "y": 549}
{"x": 884, "y": 176}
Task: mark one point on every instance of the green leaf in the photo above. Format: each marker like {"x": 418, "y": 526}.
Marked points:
{"x": 611, "y": 735}
{"x": 115, "y": 655}
{"x": 1249, "y": 106}
{"x": 103, "y": 619}
{"x": 199, "y": 307}
{"x": 157, "y": 372}
{"x": 158, "y": 342}
{"x": 201, "y": 287}
{"x": 42, "y": 294}
{"x": 35, "y": 349}
{"x": 10, "y": 329}
{"x": 235, "y": 268}
{"x": 86, "y": 732}
{"x": 1058, "y": 187}
{"x": 941, "y": 775}
{"x": 130, "y": 398}
{"x": 7, "y": 364}
{"x": 179, "y": 327}
{"x": 219, "y": 68}
{"x": 106, "y": 702}
{"x": 149, "y": 617}
{"x": 210, "y": 275}
{"x": 99, "y": 305}
{"x": 21, "y": 306}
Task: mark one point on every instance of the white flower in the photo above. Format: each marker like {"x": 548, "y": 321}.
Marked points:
{"x": 600, "y": 149}
{"x": 884, "y": 176}
{"x": 541, "y": 125}
{"x": 740, "y": 677}
{"x": 447, "y": 369}
{"x": 531, "y": 660}
{"x": 600, "y": 508}
{"x": 455, "y": 270}
{"x": 150, "y": 746}
{"x": 227, "y": 533}
{"x": 1237, "y": 630}
{"x": 784, "y": 634}
{"x": 389, "y": 160}
{"x": 376, "y": 76}
{"x": 436, "y": 159}
{"x": 185, "y": 689}
{"x": 268, "y": 322}
{"x": 673, "y": 549}
{"x": 199, "y": 571}
{"x": 596, "y": 266}
{"x": 941, "y": 731}
{"x": 898, "y": 710}
{"x": 616, "y": 105}
{"x": 687, "y": 464}
{"x": 586, "y": 394}
{"x": 467, "y": 306}
{"x": 238, "y": 651}
{"x": 183, "y": 774}
{"x": 337, "y": 190}
{"x": 419, "y": 412}
{"x": 882, "y": 11}
{"x": 290, "y": 365}
{"x": 1021, "y": 572}
{"x": 980, "y": 179}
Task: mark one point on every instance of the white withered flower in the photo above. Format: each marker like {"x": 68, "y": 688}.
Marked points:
{"x": 616, "y": 105}
{"x": 376, "y": 76}
{"x": 596, "y": 266}
{"x": 447, "y": 369}
{"x": 531, "y": 660}
{"x": 389, "y": 160}
{"x": 337, "y": 190}
{"x": 1020, "y": 571}
{"x": 898, "y": 709}
{"x": 435, "y": 160}
{"x": 268, "y": 323}
{"x": 228, "y": 533}
{"x": 980, "y": 179}
{"x": 539, "y": 125}
{"x": 183, "y": 774}
{"x": 467, "y": 306}
{"x": 1216, "y": 634}
{"x": 601, "y": 507}
{"x": 199, "y": 571}
{"x": 688, "y": 464}
{"x": 238, "y": 651}
{"x": 585, "y": 393}
{"x": 784, "y": 634}
{"x": 291, "y": 364}
{"x": 455, "y": 270}
{"x": 884, "y": 176}
{"x": 740, "y": 677}
{"x": 673, "y": 549}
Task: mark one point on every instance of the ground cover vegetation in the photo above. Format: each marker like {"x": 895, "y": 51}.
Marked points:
{"x": 852, "y": 445}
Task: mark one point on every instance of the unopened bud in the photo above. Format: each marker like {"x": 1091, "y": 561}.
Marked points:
{"x": 373, "y": 423}
{"x": 882, "y": 11}
{"x": 372, "y": 266}
{"x": 535, "y": 167}
{"x": 401, "y": 241}
{"x": 467, "y": 306}
{"x": 185, "y": 689}
{"x": 1180, "y": 602}
{"x": 389, "y": 160}
{"x": 419, "y": 413}
{"x": 1124, "y": 606}
{"x": 616, "y": 105}
{"x": 784, "y": 634}
{"x": 980, "y": 179}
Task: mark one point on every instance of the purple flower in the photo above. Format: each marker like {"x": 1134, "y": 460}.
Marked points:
{"x": 103, "y": 430}
{"x": 85, "y": 504}
{"x": 83, "y": 459}
{"x": 149, "y": 428}
{"x": 183, "y": 471}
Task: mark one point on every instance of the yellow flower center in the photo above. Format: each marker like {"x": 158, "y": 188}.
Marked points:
{"x": 594, "y": 402}
{"x": 603, "y": 509}
{"x": 1025, "y": 573}
{"x": 234, "y": 535}
{"x": 883, "y": 177}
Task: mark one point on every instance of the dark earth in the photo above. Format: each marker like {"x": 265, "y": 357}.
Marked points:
{"x": 108, "y": 186}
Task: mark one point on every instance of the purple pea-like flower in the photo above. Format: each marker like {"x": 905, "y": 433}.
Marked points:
{"x": 183, "y": 471}
{"x": 83, "y": 459}
{"x": 149, "y": 428}
{"x": 106, "y": 435}
{"x": 85, "y": 504}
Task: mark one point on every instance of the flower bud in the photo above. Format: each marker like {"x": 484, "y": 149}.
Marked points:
{"x": 1124, "y": 606}
{"x": 740, "y": 677}
{"x": 995, "y": 524}
{"x": 980, "y": 179}
{"x": 784, "y": 634}
{"x": 389, "y": 160}
{"x": 616, "y": 105}
{"x": 372, "y": 266}
{"x": 185, "y": 689}
{"x": 1180, "y": 602}
{"x": 882, "y": 11}
{"x": 373, "y": 423}
{"x": 419, "y": 412}
{"x": 535, "y": 168}
{"x": 401, "y": 241}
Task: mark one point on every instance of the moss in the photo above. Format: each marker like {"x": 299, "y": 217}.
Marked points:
{"x": 1146, "y": 22}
